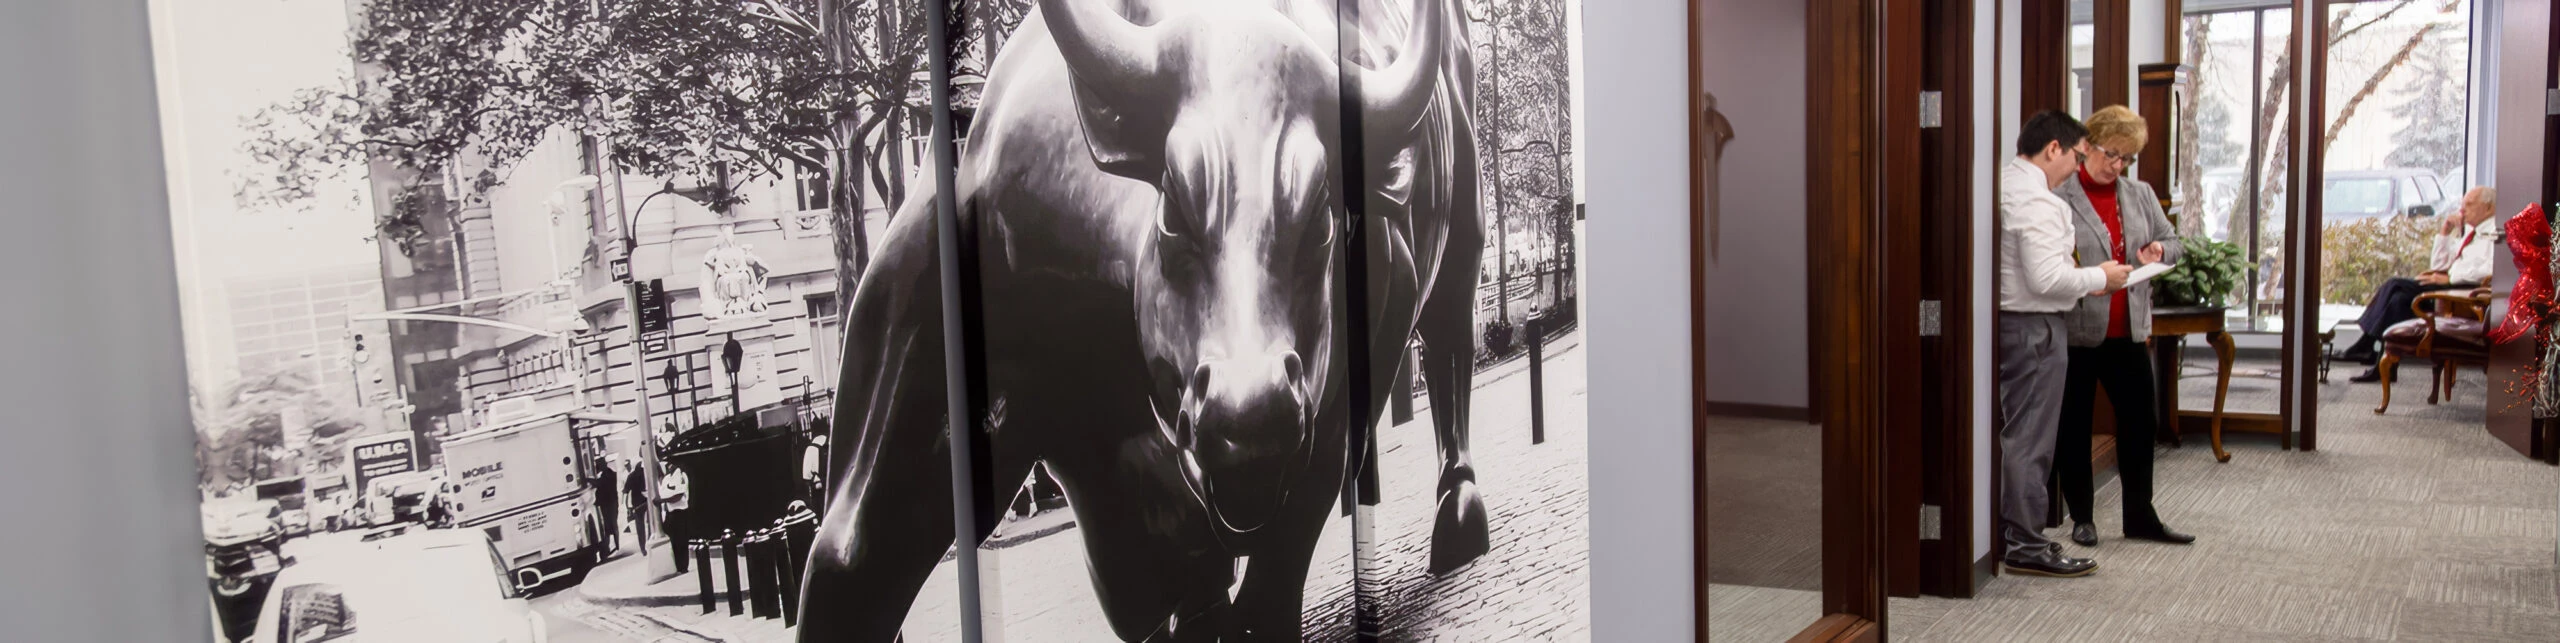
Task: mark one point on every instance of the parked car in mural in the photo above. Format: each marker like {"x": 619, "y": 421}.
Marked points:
{"x": 241, "y": 535}
{"x": 399, "y": 583}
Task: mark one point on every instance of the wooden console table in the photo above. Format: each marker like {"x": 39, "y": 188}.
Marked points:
{"x": 2169, "y": 328}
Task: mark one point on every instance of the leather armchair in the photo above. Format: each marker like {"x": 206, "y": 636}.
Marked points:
{"x": 2452, "y": 330}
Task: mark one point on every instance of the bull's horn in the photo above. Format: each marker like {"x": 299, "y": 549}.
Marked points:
{"x": 1393, "y": 98}
{"x": 1104, "y": 50}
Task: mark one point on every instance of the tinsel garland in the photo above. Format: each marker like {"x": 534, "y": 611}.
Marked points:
{"x": 2529, "y": 238}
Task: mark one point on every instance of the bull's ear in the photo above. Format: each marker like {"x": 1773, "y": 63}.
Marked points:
{"x": 1125, "y": 141}
{"x": 1124, "y": 94}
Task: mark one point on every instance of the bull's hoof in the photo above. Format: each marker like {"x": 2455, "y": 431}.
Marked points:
{"x": 1459, "y": 535}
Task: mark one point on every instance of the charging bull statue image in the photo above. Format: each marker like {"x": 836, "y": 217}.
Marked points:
{"x": 1157, "y": 204}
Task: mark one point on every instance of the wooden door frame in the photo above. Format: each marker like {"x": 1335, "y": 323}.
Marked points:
{"x": 2299, "y": 405}
{"x": 1700, "y": 144}
{"x": 1944, "y": 156}
{"x": 1845, "y": 221}
{"x": 1847, "y": 178}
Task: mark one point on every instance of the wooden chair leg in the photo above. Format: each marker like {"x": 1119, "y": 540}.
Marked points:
{"x": 2435, "y": 384}
{"x": 2452, "y": 372}
{"x": 2388, "y": 363}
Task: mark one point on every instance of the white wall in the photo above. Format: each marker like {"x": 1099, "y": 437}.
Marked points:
{"x": 1755, "y": 66}
{"x": 98, "y": 479}
{"x": 2142, "y": 28}
{"x": 1638, "y": 255}
{"x": 1996, "y": 113}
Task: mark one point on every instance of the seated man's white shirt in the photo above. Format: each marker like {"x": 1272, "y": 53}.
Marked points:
{"x": 2469, "y": 263}
{"x": 2037, "y": 272}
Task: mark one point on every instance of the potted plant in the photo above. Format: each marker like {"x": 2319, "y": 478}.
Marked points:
{"x": 2205, "y": 277}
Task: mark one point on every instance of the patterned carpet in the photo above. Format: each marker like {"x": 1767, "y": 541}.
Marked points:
{"x": 2410, "y": 526}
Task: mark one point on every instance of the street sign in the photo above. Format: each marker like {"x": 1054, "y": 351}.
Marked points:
{"x": 651, "y": 314}
{"x": 621, "y": 269}
{"x": 373, "y": 457}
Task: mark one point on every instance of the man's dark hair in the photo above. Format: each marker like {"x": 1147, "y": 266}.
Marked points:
{"x": 2049, "y": 126}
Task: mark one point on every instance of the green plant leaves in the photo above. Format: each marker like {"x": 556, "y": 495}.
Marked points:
{"x": 2207, "y": 276}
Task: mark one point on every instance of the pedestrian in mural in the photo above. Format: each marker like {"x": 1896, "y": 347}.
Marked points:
{"x": 635, "y": 490}
{"x": 601, "y": 480}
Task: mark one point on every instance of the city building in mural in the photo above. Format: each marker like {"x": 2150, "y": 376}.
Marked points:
{"x": 638, "y": 304}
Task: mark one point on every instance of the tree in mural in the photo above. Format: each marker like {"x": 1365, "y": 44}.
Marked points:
{"x": 243, "y": 436}
{"x": 1523, "y": 108}
{"x": 722, "y": 92}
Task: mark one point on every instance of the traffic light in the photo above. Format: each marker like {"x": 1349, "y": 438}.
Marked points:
{"x": 356, "y": 349}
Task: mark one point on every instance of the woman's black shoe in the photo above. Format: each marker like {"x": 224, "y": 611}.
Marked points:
{"x": 2050, "y": 563}
{"x": 2084, "y": 533}
{"x": 2160, "y": 534}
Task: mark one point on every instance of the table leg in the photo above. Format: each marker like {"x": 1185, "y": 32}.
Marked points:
{"x": 2222, "y": 354}
{"x": 2166, "y": 365}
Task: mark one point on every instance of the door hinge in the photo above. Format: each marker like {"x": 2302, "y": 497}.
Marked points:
{"x": 1932, "y": 521}
{"x": 2551, "y": 102}
{"x": 1929, "y": 324}
{"x": 1933, "y": 109}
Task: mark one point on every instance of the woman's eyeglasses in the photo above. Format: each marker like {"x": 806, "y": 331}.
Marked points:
{"x": 2127, "y": 159}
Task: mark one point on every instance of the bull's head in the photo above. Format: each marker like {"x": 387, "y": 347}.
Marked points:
{"x": 1232, "y": 111}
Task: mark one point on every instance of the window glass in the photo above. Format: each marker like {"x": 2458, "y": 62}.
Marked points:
{"x": 2357, "y": 198}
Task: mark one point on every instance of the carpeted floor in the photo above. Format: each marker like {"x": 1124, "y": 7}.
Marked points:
{"x": 1766, "y": 510}
{"x": 2410, "y": 526}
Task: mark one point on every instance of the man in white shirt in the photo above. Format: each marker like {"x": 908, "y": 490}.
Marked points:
{"x": 2039, "y": 281}
{"x": 2466, "y": 248}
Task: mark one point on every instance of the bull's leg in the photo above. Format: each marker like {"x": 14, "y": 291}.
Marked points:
{"x": 889, "y": 515}
{"x": 1459, "y": 534}
{"x": 891, "y": 519}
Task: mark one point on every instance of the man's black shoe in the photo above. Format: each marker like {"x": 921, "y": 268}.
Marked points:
{"x": 2084, "y": 533}
{"x": 2360, "y": 354}
{"x": 2369, "y": 375}
{"x": 2159, "y": 534}
{"x": 2050, "y": 563}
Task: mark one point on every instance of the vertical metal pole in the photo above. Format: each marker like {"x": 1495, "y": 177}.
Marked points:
{"x": 955, "y": 350}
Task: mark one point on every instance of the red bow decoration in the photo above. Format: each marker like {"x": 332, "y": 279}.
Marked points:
{"x": 2529, "y": 238}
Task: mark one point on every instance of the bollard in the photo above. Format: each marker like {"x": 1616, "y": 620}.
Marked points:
{"x": 702, "y": 575}
{"x": 1537, "y": 383}
{"x": 729, "y": 564}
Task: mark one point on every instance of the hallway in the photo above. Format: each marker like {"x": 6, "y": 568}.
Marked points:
{"x": 2410, "y": 526}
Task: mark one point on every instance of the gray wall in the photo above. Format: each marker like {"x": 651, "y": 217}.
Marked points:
{"x": 1636, "y": 57}
{"x": 97, "y": 477}
{"x": 96, "y": 481}
{"x": 1755, "y": 66}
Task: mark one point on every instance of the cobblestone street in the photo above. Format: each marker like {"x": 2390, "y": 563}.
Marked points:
{"x": 1533, "y": 585}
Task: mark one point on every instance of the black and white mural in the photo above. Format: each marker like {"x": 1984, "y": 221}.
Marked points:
{"x": 591, "y": 320}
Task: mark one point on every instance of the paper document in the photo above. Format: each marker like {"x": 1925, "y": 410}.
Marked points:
{"x": 2146, "y": 272}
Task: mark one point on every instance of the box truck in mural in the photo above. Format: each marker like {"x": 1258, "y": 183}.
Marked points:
{"x": 518, "y": 481}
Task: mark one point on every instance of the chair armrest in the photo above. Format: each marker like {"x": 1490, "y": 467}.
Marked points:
{"x": 2472, "y": 305}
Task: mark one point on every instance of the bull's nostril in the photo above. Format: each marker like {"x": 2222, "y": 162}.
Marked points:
{"x": 1199, "y": 383}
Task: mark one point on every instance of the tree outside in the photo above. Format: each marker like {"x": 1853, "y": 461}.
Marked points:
{"x": 2398, "y": 88}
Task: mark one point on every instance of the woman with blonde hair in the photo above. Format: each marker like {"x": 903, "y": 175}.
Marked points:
{"x": 2116, "y": 218}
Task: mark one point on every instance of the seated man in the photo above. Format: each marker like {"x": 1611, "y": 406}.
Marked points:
{"x": 2464, "y": 249}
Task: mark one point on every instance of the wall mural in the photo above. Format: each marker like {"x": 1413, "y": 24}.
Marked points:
{"x": 601, "y": 320}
